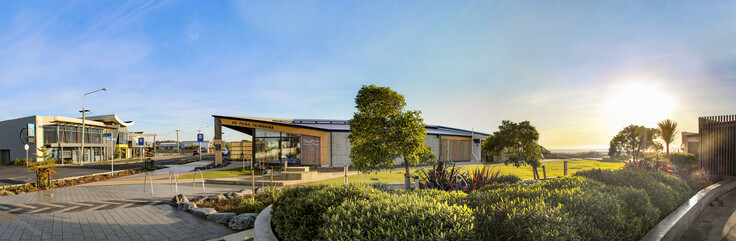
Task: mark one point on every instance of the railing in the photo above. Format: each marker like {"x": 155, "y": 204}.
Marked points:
{"x": 194, "y": 178}
{"x": 175, "y": 184}
{"x": 718, "y": 144}
{"x": 145, "y": 178}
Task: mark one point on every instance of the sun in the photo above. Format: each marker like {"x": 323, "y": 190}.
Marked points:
{"x": 637, "y": 102}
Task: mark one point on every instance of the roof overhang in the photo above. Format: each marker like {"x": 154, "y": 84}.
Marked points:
{"x": 111, "y": 118}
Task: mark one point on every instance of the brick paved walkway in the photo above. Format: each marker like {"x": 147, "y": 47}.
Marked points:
{"x": 115, "y": 209}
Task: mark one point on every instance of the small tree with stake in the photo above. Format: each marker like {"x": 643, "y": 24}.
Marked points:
{"x": 44, "y": 169}
{"x": 382, "y": 131}
{"x": 149, "y": 161}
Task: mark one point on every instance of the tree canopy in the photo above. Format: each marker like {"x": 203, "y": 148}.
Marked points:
{"x": 517, "y": 142}
{"x": 381, "y": 131}
{"x": 633, "y": 140}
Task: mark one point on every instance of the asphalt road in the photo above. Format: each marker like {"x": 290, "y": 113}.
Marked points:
{"x": 11, "y": 175}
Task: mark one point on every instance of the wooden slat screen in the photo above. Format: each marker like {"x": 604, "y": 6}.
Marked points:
{"x": 718, "y": 144}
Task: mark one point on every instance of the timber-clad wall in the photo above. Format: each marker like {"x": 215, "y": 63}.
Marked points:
{"x": 718, "y": 144}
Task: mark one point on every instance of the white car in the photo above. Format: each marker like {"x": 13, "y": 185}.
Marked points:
{"x": 225, "y": 152}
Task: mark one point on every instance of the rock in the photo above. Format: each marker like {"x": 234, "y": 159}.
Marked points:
{"x": 187, "y": 206}
{"x": 244, "y": 192}
{"x": 178, "y": 199}
{"x": 220, "y": 218}
{"x": 243, "y": 221}
{"x": 197, "y": 199}
{"x": 260, "y": 190}
{"x": 203, "y": 212}
{"x": 220, "y": 197}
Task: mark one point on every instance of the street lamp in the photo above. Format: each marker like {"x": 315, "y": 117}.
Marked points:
{"x": 199, "y": 131}
{"x": 84, "y": 116}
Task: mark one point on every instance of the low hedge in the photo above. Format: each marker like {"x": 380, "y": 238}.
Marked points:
{"x": 592, "y": 205}
{"x": 297, "y": 213}
{"x": 683, "y": 160}
{"x": 400, "y": 216}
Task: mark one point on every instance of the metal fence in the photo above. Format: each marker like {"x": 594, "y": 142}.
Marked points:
{"x": 718, "y": 144}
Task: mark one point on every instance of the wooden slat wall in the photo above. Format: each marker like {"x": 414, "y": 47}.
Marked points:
{"x": 718, "y": 144}
{"x": 310, "y": 150}
{"x": 459, "y": 150}
{"x": 241, "y": 150}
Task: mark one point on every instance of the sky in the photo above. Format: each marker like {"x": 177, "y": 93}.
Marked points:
{"x": 579, "y": 71}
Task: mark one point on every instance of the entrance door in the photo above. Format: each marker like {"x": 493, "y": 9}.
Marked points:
{"x": 310, "y": 150}
{"x": 4, "y": 156}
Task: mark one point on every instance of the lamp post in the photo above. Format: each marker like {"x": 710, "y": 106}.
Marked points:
{"x": 84, "y": 116}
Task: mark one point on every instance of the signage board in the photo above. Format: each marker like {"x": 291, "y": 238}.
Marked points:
{"x": 107, "y": 134}
{"x": 140, "y": 141}
{"x": 26, "y": 147}
{"x": 31, "y": 129}
{"x": 200, "y": 137}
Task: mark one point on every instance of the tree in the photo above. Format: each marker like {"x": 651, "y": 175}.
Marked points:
{"x": 632, "y": 141}
{"x": 668, "y": 130}
{"x": 518, "y": 142}
{"x": 381, "y": 131}
{"x": 44, "y": 168}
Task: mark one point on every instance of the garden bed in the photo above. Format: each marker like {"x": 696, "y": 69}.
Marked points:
{"x": 66, "y": 182}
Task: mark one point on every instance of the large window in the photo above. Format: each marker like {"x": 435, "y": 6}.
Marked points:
{"x": 50, "y": 134}
{"x": 276, "y": 147}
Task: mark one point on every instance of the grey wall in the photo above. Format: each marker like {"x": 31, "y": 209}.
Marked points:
{"x": 340, "y": 149}
{"x": 10, "y": 137}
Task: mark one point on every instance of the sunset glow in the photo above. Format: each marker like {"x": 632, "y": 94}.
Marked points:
{"x": 642, "y": 102}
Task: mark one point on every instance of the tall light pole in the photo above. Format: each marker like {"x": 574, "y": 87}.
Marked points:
{"x": 84, "y": 116}
{"x": 199, "y": 131}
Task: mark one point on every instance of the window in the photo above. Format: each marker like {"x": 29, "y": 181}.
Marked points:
{"x": 50, "y": 134}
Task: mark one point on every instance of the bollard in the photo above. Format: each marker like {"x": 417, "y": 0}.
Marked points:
{"x": 565, "y": 168}
{"x": 346, "y": 174}
{"x": 271, "y": 177}
{"x": 544, "y": 172}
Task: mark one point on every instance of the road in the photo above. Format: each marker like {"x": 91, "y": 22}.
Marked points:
{"x": 11, "y": 175}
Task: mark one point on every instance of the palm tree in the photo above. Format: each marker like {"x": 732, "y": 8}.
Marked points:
{"x": 668, "y": 129}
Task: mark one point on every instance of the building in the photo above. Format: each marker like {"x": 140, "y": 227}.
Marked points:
{"x": 690, "y": 142}
{"x": 62, "y": 136}
{"x": 717, "y": 151}
{"x": 325, "y": 142}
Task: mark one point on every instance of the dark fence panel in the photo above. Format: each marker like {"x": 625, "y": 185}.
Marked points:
{"x": 718, "y": 144}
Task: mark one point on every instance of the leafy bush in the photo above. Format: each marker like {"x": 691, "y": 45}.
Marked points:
{"x": 297, "y": 213}
{"x": 400, "y": 216}
{"x": 444, "y": 177}
{"x": 684, "y": 160}
{"x": 18, "y": 162}
{"x": 665, "y": 192}
{"x": 650, "y": 163}
{"x": 507, "y": 179}
{"x": 238, "y": 205}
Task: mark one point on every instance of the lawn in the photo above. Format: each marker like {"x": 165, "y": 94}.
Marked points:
{"x": 233, "y": 172}
{"x": 554, "y": 168}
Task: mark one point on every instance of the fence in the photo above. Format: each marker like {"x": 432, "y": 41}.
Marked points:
{"x": 718, "y": 144}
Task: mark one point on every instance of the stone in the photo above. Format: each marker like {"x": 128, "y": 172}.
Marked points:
{"x": 187, "y": 206}
{"x": 243, "y": 221}
{"x": 203, "y": 212}
{"x": 178, "y": 199}
{"x": 260, "y": 190}
{"x": 244, "y": 192}
{"x": 221, "y": 218}
{"x": 197, "y": 199}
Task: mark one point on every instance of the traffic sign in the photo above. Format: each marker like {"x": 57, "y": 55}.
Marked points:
{"x": 31, "y": 130}
{"x": 26, "y": 147}
{"x": 200, "y": 137}
{"x": 110, "y": 138}
{"x": 140, "y": 141}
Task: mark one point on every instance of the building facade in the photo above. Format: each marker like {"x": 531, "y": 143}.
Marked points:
{"x": 62, "y": 136}
{"x": 325, "y": 143}
{"x": 717, "y": 151}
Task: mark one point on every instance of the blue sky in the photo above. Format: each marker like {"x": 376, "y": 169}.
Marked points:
{"x": 578, "y": 70}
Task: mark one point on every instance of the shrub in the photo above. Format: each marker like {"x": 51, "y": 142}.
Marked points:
{"x": 649, "y": 163}
{"x": 684, "y": 160}
{"x": 297, "y": 213}
{"x": 18, "y": 162}
{"x": 665, "y": 192}
{"x": 400, "y": 216}
{"x": 443, "y": 177}
{"x": 238, "y": 205}
{"x": 507, "y": 179}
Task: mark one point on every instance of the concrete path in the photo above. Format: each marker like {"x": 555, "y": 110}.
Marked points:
{"x": 115, "y": 209}
{"x": 716, "y": 222}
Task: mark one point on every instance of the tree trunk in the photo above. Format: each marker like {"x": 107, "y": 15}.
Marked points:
{"x": 407, "y": 176}
{"x": 668, "y": 150}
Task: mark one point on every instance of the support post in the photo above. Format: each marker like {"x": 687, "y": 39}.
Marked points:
{"x": 217, "y": 140}
{"x": 565, "y": 163}
{"x": 346, "y": 174}
{"x": 544, "y": 172}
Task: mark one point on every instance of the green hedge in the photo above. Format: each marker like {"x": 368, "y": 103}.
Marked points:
{"x": 423, "y": 215}
{"x": 297, "y": 213}
{"x": 684, "y": 160}
{"x": 666, "y": 192}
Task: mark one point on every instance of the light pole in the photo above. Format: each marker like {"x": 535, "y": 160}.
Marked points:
{"x": 84, "y": 116}
{"x": 199, "y": 131}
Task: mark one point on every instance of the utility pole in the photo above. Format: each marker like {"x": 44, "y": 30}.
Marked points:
{"x": 200, "y": 145}
{"x": 178, "y": 150}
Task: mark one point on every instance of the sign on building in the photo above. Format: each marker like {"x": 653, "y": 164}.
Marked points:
{"x": 31, "y": 130}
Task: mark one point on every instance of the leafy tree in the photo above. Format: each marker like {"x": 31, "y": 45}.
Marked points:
{"x": 518, "y": 142}
{"x": 381, "y": 131}
{"x": 44, "y": 168}
{"x": 668, "y": 129}
{"x": 633, "y": 140}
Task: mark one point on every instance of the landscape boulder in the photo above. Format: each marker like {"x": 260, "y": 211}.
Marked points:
{"x": 203, "y": 212}
{"x": 243, "y": 221}
{"x": 178, "y": 199}
{"x": 197, "y": 199}
{"x": 244, "y": 192}
{"x": 187, "y": 206}
{"x": 221, "y": 218}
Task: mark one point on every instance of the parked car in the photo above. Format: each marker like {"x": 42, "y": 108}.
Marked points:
{"x": 225, "y": 152}
{"x": 196, "y": 152}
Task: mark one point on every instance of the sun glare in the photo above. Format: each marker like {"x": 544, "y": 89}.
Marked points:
{"x": 638, "y": 102}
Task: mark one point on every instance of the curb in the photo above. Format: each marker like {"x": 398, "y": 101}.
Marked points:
{"x": 674, "y": 225}
{"x": 263, "y": 226}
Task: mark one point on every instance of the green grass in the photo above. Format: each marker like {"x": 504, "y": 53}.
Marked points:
{"x": 234, "y": 172}
{"x": 554, "y": 168}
